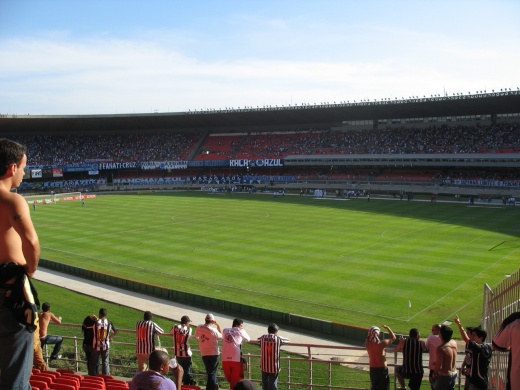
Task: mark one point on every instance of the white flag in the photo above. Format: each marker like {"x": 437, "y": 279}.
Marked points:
{"x": 409, "y": 304}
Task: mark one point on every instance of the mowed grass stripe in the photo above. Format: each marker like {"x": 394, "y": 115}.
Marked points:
{"x": 318, "y": 258}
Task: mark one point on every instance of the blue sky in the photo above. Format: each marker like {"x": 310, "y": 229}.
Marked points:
{"x": 67, "y": 57}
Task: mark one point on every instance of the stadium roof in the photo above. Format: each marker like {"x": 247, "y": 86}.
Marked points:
{"x": 268, "y": 118}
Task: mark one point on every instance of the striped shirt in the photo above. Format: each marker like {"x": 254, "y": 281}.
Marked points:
{"x": 103, "y": 329}
{"x": 412, "y": 356}
{"x": 270, "y": 345}
{"x": 181, "y": 334}
{"x": 145, "y": 332}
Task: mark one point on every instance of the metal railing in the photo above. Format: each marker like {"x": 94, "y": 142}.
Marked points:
{"x": 498, "y": 303}
{"x": 303, "y": 366}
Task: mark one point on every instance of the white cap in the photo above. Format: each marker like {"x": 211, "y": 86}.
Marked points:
{"x": 210, "y": 317}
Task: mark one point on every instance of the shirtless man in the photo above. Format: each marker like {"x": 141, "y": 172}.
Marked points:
{"x": 445, "y": 373}
{"x": 46, "y": 317}
{"x": 379, "y": 379}
{"x": 18, "y": 245}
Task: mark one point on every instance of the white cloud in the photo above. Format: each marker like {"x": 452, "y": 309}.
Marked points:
{"x": 104, "y": 75}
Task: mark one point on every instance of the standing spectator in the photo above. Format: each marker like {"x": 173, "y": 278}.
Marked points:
{"x": 45, "y": 318}
{"x": 104, "y": 330}
{"x": 270, "y": 345}
{"x": 232, "y": 339}
{"x": 432, "y": 342}
{"x": 155, "y": 378}
{"x": 465, "y": 368}
{"x": 88, "y": 340}
{"x": 480, "y": 355}
{"x": 145, "y": 332}
{"x": 181, "y": 348}
{"x": 445, "y": 374}
{"x": 508, "y": 338}
{"x": 208, "y": 338}
{"x": 19, "y": 254}
{"x": 412, "y": 367}
{"x": 379, "y": 379}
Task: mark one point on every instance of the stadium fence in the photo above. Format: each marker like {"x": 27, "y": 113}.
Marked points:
{"x": 303, "y": 366}
{"x": 499, "y": 303}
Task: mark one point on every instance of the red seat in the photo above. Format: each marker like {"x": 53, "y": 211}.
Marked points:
{"x": 69, "y": 375}
{"x": 62, "y": 386}
{"x": 36, "y": 384}
{"x": 68, "y": 381}
{"x": 115, "y": 381}
{"x": 49, "y": 372}
{"x": 105, "y": 376}
{"x": 42, "y": 378}
{"x": 64, "y": 371}
{"x": 116, "y": 386}
{"x": 96, "y": 379}
{"x": 90, "y": 386}
{"x": 98, "y": 384}
{"x": 36, "y": 371}
{"x": 190, "y": 387}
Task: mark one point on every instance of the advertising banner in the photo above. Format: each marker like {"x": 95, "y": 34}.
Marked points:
{"x": 57, "y": 172}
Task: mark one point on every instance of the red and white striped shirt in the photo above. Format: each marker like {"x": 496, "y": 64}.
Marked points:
{"x": 270, "y": 345}
{"x": 181, "y": 334}
{"x": 145, "y": 332}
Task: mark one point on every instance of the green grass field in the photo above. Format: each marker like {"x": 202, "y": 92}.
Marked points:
{"x": 348, "y": 261}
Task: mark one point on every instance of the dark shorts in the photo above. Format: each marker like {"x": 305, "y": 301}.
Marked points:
{"x": 415, "y": 379}
{"x": 379, "y": 379}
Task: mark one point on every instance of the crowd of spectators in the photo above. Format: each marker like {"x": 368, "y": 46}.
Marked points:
{"x": 138, "y": 147}
{"x": 178, "y": 146}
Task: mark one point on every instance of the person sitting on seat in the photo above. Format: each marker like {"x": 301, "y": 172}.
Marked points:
{"x": 154, "y": 378}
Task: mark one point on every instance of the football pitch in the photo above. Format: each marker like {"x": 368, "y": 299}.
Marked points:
{"x": 401, "y": 263}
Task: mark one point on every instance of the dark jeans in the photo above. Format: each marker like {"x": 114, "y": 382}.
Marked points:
{"x": 88, "y": 353}
{"x": 17, "y": 351}
{"x": 211, "y": 364}
{"x": 269, "y": 381}
{"x": 94, "y": 361}
{"x": 185, "y": 362}
{"x": 56, "y": 340}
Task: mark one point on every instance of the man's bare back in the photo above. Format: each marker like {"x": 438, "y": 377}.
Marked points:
{"x": 446, "y": 357}
{"x": 376, "y": 350}
{"x": 45, "y": 319}
{"x": 376, "y": 354}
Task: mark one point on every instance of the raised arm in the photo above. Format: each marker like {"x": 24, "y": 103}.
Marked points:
{"x": 462, "y": 331}
{"x": 391, "y": 334}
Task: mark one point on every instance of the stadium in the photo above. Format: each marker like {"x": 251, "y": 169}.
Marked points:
{"x": 325, "y": 218}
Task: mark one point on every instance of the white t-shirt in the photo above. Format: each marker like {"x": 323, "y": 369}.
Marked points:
{"x": 208, "y": 340}
{"x": 232, "y": 338}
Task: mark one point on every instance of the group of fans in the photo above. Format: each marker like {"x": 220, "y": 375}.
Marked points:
{"x": 177, "y": 146}
{"x": 209, "y": 335}
{"x": 442, "y": 351}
